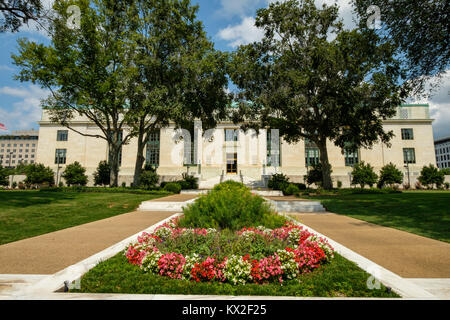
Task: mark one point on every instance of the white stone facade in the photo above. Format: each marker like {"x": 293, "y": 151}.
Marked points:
{"x": 247, "y": 157}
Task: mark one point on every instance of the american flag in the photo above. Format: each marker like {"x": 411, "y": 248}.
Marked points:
{"x": 2, "y": 126}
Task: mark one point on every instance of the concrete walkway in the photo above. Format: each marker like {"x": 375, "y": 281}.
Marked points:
{"x": 404, "y": 253}
{"x": 51, "y": 252}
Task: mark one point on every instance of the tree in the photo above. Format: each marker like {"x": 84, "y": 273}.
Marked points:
{"x": 315, "y": 175}
{"x": 39, "y": 174}
{"x": 4, "y": 176}
{"x": 18, "y": 12}
{"x": 85, "y": 70}
{"x": 430, "y": 175}
{"x": 74, "y": 174}
{"x": 363, "y": 174}
{"x": 102, "y": 174}
{"x": 421, "y": 31}
{"x": 312, "y": 79}
{"x": 176, "y": 73}
{"x": 390, "y": 175}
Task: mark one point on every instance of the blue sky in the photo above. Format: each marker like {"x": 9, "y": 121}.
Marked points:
{"x": 228, "y": 23}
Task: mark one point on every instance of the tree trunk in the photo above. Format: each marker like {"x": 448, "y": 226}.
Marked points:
{"x": 327, "y": 183}
{"x": 139, "y": 159}
{"x": 114, "y": 150}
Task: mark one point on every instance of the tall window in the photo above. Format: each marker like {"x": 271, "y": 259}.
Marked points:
{"x": 409, "y": 155}
{"x": 351, "y": 157}
{"x": 312, "y": 153}
{"x": 231, "y": 134}
{"x": 407, "y": 134}
{"x": 273, "y": 151}
{"x": 61, "y": 135}
{"x": 60, "y": 156}
{"x": 152, "y": 150}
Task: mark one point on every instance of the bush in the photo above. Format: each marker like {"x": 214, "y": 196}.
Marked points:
{"x": 14, "y": 185}
{"x": 189, "y": 182}
{"x": 173, "y": 187}
{"x": 4, "y": 176}
{"x": 446, "y": 171}
{"x": 390, "y": 175}
{"x": 278, "y": 181}
{"x": 37, "y": 173}
{"x": 339, "y": 184}
{"x": 315, "y": 175}
{"x": 430, "y": 175}
{"x": 102, "y": 174}
{"x": 149, "y": 179}
{"x": 74, "y": 174}
{"x": 363, "y": 174}
{"x": 105, "y": 189}
{"x": 291, "y": 189}
{"x": 447, "y": 185}
{"x": 230, "y": 205}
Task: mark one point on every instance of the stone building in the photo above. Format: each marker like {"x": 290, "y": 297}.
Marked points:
{"x": 226, "y": 152}
{"x": 18, "y": 147}
{"x": 442, "y": 150}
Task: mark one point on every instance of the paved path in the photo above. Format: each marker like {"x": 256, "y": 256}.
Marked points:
{"x": 176, "y": 198}
{"x": 51, "y": 252}
{"x": 404, "y": 253}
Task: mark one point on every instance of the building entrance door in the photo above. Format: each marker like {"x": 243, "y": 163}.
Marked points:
{"x": 232, "y": 163}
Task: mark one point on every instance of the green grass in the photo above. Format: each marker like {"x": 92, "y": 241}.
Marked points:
{"x": 426, "y": 213}
{"x": 25, "y": 214}
{"x": 340, "y": 278}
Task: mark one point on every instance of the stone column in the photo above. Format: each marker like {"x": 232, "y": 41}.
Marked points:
{"x": 198, "y": 144}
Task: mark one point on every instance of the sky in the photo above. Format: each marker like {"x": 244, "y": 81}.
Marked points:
{"x": 228, "y": 23}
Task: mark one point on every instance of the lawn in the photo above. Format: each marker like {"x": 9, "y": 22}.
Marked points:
{"x": 339, "y": 278}
{"x": 25, "y": 214}
{"x": 426, "y": 213}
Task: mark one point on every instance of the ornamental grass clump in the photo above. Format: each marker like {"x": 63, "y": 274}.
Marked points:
{"x": 230, "y": 205}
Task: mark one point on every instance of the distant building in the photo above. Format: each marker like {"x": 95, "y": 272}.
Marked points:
{"x": 18, "y": 147}
{"x": 226, "y": 152}
{"x": 442, "y": 150}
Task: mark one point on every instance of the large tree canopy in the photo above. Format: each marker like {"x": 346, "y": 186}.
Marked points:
{"x": 313, "y": 80}
{"x": 85, "y": 69}
{"x": 14, "y": 13}
{"x": 420, "y": 29}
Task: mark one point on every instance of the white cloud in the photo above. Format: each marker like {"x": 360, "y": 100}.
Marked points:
{"x": 246, "y": 32}
{"x": 439, "y": 107}
{"x": 230, "y": 8}
{"x": 243, "y": 33}
{"x": 24, "y": 113}
{"x": 4, "y": 67}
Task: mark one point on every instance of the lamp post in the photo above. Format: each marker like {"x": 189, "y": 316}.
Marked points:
{"x": 12, "y": 175}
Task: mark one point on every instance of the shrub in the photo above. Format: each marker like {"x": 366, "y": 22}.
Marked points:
{"x": 4, "y": 175}
{"x": 339, "y": 184}
{"x": 390, "y": 175}
{"x": 230, "y": 205}
{"x": 189, "y": 182}
{"x": 102, "y": 174}
{"x": 14, "y": 185}
{"x": 291, "y": 189}
{"x": 430, "y": 175}
{"x": 277, "y": 181}
{"x": 447, "y": 185}
{"x": 363, "y": 174}
{"x": 37, "y": 173}
{"x": 124, "y": 184}
{"x": 446, "y": 171}
{"x": 172, "y": 187}
{"x": 149, "y": 179}
{"x": 74, "y": 174}
{"x": 315, "y": 175}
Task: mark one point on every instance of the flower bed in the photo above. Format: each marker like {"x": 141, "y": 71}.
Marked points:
{"x": 250, "y": 255}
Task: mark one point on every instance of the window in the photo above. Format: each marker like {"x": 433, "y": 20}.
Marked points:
{"x": 312, "y": 153}
{"x": 409, "y": 155}
{"x": 32, "y": 156}
{"x": 273, "y": 148}
{"x": 231, "y": 134}
{"x": 407, "y": 134}
{"x": 152, "y": 151}
{"x": 60, "y": 156}
{"x": 62, "y": 135}
{"x": 351, "y": 157}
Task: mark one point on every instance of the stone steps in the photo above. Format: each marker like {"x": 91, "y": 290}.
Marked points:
{"x": 163, "y": 205}
{"x": 297, "y": 206}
